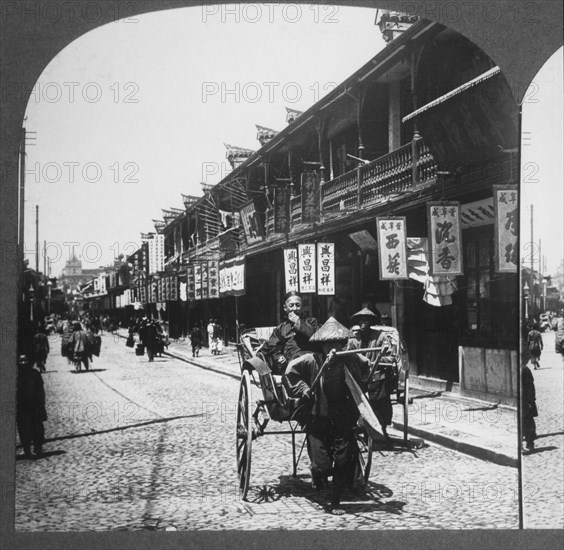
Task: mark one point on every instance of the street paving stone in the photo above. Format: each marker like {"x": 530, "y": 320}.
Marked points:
{"x": 543, "y": 470}
{"x": 136, "y": 445}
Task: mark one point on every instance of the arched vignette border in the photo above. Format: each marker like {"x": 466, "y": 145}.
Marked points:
{"x": 519, "y": 35}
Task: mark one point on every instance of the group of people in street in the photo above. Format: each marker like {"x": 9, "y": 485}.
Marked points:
{"x": 152, "y": 337}
{"x": 299, "y": 350}
{"x": 214, "y": 332}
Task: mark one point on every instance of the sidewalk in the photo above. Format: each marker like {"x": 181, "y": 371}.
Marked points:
{"x": 481, "y": 429}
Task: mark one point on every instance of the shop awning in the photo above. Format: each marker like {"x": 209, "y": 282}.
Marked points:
{"x": 471, "y": 124}
{"x": 453, "y": 93}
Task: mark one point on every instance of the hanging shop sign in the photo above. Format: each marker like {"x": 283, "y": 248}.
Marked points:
{"x": 310, "y": 192}
{"x": 477, "y": 213}
{"x": 152, "y": 298}
{"x": 444, "y": 238}
{"x": 306, "y": 268}
{"x": 198, "y": 281}
{"x": 156, "y": 253}
{"x": 232, "y": 277}
{"x": 190, "y": 282}
{"x": 182, "y": 292}
{"x": 291, "y": 269}
{"x": 252, "y": 223}
{"x": 213, "y": 279}
{"x": 281, "y": 209}
{"x": 326, "y": 269}
{"x": 506, "y": 207}
{"x": 392, "y": 250}
{"x": 205, "y": 281}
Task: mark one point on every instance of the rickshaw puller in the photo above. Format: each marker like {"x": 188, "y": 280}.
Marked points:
{"x": 331, "y": 411}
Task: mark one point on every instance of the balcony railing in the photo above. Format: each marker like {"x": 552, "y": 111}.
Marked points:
{"x": 370, "y": 183}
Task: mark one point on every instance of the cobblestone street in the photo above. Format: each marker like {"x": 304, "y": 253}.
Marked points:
{"x": 138, "y": 445}
{"x": 543, "y": 473}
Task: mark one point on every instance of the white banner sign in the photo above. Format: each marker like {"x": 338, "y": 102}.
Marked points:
{"x": 444, "y": 238}
{"x": 306, "y": 266}
{"x": 326, "y": 269}
{"x": 392, "y": 250}
{"x": 291, "y": 269}
{"x": 232, "y": 277}
{"x": 506, "y": 207}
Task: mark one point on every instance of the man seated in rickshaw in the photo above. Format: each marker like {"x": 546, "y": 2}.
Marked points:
{"x": 383, "y": 376}
{"x": 290, "y": 339}
{"x": 329, "y": 411}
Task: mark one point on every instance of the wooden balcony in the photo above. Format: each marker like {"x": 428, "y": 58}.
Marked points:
{"x": 370, "y": 183}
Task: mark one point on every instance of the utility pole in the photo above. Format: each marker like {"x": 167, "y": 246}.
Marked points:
{"x": 37, "y": 238}
{"x": 45, "y": 258}
{"x": 21, "y": 254}
{"x": 532, "y": 277}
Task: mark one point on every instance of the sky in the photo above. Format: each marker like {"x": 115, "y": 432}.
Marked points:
{"x": 133, "y": 114}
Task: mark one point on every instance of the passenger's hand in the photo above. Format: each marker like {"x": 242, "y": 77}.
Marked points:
{"x": 293, "y": 317}
{"x": 282, "y": 360}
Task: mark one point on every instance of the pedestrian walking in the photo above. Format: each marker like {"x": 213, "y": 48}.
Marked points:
{"x": 151, "y": 340}
{"x": 528, "y": 408}
{"x": 40, "y": 349}
{"x": 535, "y": 345}
{"x": 78, "y": 345}
{"x": 196, "y": 340}
{"x": 30, "y": 407}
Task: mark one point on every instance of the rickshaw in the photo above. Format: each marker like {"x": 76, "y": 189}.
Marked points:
{"x": 277, "y": 406}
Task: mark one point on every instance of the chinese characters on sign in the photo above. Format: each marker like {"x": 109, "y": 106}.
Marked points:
{"x": 156, "y": 253}
{"x": 281, "y": 209}
{"x": 213, "y": 279}
{"x": 204, "y": 280}
{"x": 392, "y": 249}
{"x": 326, "y": 269}
{"x": 197, "y": 281}
{"x": 445, "y": 238}
{"x": 190, "y": 283}
{"x": 252, "y": 223}
{"x": 291, "y": 269}
{"x": 232, "y": 277}
{"x": 306, "y": 268}
{"x": 310, "y": 197}
{"x": 506, "y": 207}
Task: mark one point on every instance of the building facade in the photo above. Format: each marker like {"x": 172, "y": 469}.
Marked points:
{"x": 428, "y": 123}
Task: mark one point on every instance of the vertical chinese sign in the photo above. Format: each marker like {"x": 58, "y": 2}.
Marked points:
{"x": 444, "y": 238}
{"x": 506, "y": 208}
{"x": 310, "y": 197}
{"x": 213, "y": 279}
{"x": 306, "y": 268}
{"x": 281, "y": 209}
{"x": 190, "y": 283}
{"x": 291, "y": 269}
{"x": 173, "y": 288}
{"x": 205, "y": 280}
{"x": 326, "y": 269}
{"x": 197, "y": 281}
{"x": 392, "y": 248}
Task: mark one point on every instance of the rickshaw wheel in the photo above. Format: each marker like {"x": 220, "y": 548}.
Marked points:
{"x": 244, "y": 436}
{"x": 364, "y": 461}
